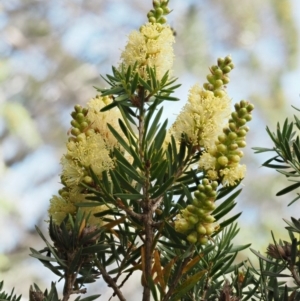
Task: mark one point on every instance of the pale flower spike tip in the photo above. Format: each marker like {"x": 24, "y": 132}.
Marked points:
{"x": 151, "y": 46}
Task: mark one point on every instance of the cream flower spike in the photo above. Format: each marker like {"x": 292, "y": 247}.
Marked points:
{"x": 151, "y": 46}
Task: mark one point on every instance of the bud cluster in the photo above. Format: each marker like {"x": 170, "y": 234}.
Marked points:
{"x": 80, "y": 124}
{"x": 196, "y": 220}
{"x": 233, "y": 137}
{"x": 219, "y": 76}
{"x": 160, "y": 9}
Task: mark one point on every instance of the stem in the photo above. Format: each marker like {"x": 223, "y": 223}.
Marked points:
{"x": 146, "y": 203}
{"x": 110, "y": 281}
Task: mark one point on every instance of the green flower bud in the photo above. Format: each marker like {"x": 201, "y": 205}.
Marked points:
{"x": 243, "y": 103}
{"x": 219, "y": 74}
{"x": 248, "y": 117}
{"x": 192, "y": 237}
{"x": 193, "y": 219}
{"x": 163, "y": 20}
{"x": 199, "y": 195}
{"x": 220, "y": 61}
{"x": 75, "y": 124}
{"x": 242, "y": 143}
{"x": 241, "y": 133}
{"x": 85, "y": 111}
{"x": 208, "y": 86}
{"x": 241, "y": 121}
{"x": 209, "y": 218}
{"x": 223, "y": 161}
{"x": 237, "y": 106}
{"x": 232, "y": 136}
{"x": 201, "y": 229}
{"x": 166, "y": 10}
{"x": 191, "y": 208}
{"x": 78, "y": 108}
{"x": 214, "y": 185}
{"x": 210, "y": 78}
{"x": 225, "y": 80}
{"x": 231, "y": 65}
{"x": 235, "y": 115}
{"x": 90, "y": 132}
{"x": 242, "y": 112}
{"x": 196, "y": 203}
{"x": 234, "y": 158}
{"x": 200, "y": 187}
{"x": 149, "y": 15}
{"x": 228, "y": 60}
{"x": 80, "y": 117}
{"x": 250, "y": 107}
{"x": 222, "y": 138}
{"x": 214, "y": 68}
{"x": 152, "y": 20}
{"x": 156, "y": 3}
{"x": 232, "y": 126}
{"x": 203, "y": 240}
{"x": 210, "y": 205}
{"x": 233, "y": 146}
{"x": 88, "y": 180}
{"x": 81, "y": 137}
{"x": 210, "y": 229}
{"x": 222, "y": 148}
{"x": 218, "y": 83}
{"x": 182, "y": 226}
{"x": 205, "y": 181}
{"x": 73, "y": 114}
{"x": 159, "y": 12}
{"x": 226, "y": 69}
{"x": 219, "y": 93}
{"x": 75, "y": 131}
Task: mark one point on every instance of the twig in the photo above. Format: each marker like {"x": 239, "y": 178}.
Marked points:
{"x": 110, "y": 281}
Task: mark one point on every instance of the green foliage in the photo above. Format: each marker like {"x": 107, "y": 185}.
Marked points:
{"x": 287, "y": 150}
{"x": 8, "y": 297}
